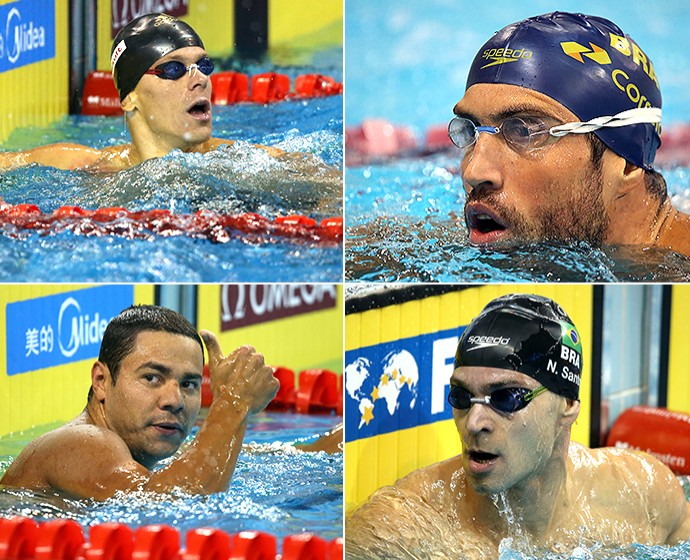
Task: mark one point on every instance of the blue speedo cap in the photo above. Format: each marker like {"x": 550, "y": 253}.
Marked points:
{"x": 587, "y": 64}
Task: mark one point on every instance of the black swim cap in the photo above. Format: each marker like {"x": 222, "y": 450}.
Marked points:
{"x": 142, "y": 42}
{"x": 526, "y": 333}
{"x": 587, "y": 64}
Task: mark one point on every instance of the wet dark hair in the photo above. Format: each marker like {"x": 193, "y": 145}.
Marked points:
{"x": 122, "y": 331}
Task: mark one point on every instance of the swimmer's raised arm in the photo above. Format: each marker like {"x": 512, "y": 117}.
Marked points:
{"x": 241, "y": 385}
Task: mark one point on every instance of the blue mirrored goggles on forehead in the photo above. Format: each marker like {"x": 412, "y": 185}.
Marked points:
{"x": 174, "y": 69}
{"x": 505, "y": 400}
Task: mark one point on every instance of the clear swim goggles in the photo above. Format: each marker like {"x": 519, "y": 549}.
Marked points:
{"x": 526, "y": 133}
{"x": 506, "y": 400}
{"x": 174, "y": 70}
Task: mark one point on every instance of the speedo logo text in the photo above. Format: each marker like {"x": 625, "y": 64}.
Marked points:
{"x": 505, "y": 55}
{"x": 480, "y": 342}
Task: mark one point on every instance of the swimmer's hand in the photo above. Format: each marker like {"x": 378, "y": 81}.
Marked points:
{"x": 241, "y": 378}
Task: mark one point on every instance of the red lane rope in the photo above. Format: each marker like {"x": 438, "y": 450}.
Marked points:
{"x": 207, "y": 224}
{"x": 22, "y": 538}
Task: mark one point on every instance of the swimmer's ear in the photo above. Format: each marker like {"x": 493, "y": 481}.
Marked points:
{"x": 570, "y": 412}
{"x": 100, "y": 375}
{"x": 631, "y": 178}
{"x": 129, "y": 103}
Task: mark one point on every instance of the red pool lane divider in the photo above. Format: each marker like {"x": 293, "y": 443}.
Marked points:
{"x": 658, "y": 431}
{"x": 317, "y": 391}
{"x": 211, "y": 225}
{"x": 22, "y": 538}
{"x": 100, "y": 96}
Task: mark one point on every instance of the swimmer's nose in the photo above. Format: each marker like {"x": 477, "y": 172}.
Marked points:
{"x": 171, "y": 397}
{"x": 479, "y": 419}
{"x": 481, "y": 166}
{"x": 196, "y": 78}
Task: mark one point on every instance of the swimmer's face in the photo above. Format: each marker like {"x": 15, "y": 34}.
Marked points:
{"x": 156, "y": 398}
{"x": 506, "y": 451}
{"x": 551, "y": 193}
{"x": 173, "y": 113}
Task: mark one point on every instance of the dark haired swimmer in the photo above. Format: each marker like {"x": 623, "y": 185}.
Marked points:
{"x": 514, "y": 393}
{"x": 162, "y": 73}
{"x": 558, "y": 128}
{"x": 144, "y": 400}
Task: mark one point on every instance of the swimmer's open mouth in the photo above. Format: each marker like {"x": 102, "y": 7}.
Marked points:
{"x": 200, "y": 109}
{"x": 483, "y": 224}
{"x": 481, "y": 456}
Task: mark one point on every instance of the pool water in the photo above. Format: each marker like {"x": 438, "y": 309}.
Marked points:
{"x": 275, "y": 489}
{"x": 230, "y": 180}
{"x": 404, "y": 222}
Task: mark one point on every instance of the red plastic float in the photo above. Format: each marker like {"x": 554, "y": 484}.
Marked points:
{"x": 318, "y": 391}
{"x": 229, "y": 88}
{"x": 219, "y": 228}
{"x": 303, "y": 547}
{"x": 207, "y": 544}
{"x": 269, "y": 87}
{"x": 110, "y": 541}
{"x": 18, "y": 537}
{"x": 61, "y": 539}
{"x": 661, "y": 432}
{"x": 100, "y": 95}
{"x": 23, "y": 539}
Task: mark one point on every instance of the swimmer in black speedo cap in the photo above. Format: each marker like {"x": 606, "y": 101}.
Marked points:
{"x": 144, "y": 41}
{"x": 559, "y": 127}
{"x": 514, "y": 397}
{"x": 524, "y": 333}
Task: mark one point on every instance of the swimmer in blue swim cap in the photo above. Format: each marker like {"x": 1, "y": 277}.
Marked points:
{"x": 558, "y": 129}
{"x": 514, "y": 395}
{"x": 162, "y": 73}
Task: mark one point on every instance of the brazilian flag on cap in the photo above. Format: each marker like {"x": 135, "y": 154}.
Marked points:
{"x": 570, "y": 337}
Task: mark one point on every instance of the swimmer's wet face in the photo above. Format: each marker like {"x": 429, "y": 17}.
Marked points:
{"x": 550, "y": 192}
{"x": 156, "y": 398}
{"x": 506, "y": 451}
{"x": 173, "y": 113}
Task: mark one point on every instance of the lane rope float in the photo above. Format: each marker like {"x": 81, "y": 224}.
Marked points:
{"x": 204, "y": 224}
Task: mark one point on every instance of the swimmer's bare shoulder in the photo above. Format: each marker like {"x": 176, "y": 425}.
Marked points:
{"x": 635, "y": 486}
{"x": 78, "y": 459}
{"x": 68, "y": 156}
{"x": 417, "y": 517}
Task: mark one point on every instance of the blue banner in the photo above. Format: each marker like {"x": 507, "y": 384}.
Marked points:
{"x": 60, "y": 329}
{"x": 398, "y": 385}
{"x": 27, "y": 33}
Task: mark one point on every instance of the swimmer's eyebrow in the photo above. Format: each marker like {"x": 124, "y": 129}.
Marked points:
{"x": 503, "y": 114}
{"x": 166, "y": 371}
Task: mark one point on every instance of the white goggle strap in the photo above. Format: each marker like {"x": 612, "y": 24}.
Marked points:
{"x": 641, "y": 115}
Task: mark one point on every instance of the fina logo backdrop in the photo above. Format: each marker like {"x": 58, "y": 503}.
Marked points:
{"x": 398, "y": 385}
{"x": 60, "y": 329}
{"x": 27, "y": 33}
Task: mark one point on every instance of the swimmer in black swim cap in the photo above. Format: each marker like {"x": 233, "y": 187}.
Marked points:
{"x": 558, "y": 129}
{"x": 162, "y": 73}
{"x": 514, "y": 397}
